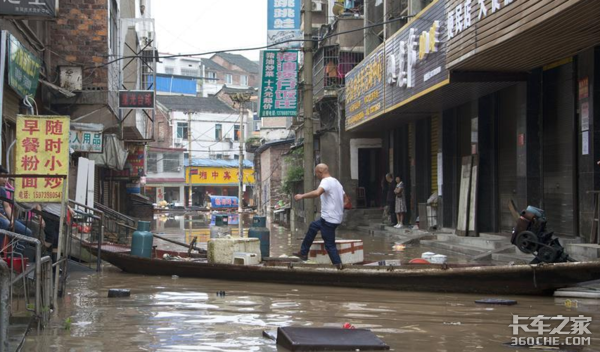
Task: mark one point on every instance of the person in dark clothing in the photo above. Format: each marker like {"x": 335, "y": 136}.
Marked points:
{"x": 391, "y": 198}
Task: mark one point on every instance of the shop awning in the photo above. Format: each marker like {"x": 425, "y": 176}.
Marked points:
{"x": 114, "y": 154}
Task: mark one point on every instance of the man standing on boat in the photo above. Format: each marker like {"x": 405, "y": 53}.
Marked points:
{"x": 332, "y": 197}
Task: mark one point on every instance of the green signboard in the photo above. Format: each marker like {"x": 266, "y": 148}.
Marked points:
{"x": 279, "y": 88}
{"x": 23, "y": 68}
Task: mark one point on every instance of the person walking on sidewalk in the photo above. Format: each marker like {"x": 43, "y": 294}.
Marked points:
{"x": 400, "y": 202}
{"x": 391, "y": 199}
{"x": 332, "y": 212}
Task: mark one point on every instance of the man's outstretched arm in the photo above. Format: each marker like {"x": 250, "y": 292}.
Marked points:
{"x": 314, "y": 194}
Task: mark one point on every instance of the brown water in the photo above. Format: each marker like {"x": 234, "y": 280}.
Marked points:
{"x": 181, "y": 314}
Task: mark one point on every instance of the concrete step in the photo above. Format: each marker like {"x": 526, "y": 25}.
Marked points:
{"x": 477, "y": 242}
{"x": 452, "y": 247}
{"x": 583, "y": 251}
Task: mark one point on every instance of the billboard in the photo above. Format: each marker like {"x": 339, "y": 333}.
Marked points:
{"x": 31, "y": 8}
{"x": 284, "y": 23}
{"x": 279, "y": 87}
{"x": 23, "y": 68}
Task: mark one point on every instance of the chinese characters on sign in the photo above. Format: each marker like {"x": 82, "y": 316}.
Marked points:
{"x": 284, "y": 23}
{"x": 279, "y": 93}
{"x": 35, "y": 8}
{"x": 42, "y": 149}
{"x": 461, "y": 17}
{"x": 23, "y": 68}
{"x": 135, "y": 160}
{"x": 136, "y": 99}
{"x": 410, "y": 62}
{"x": 86, "y": 141}
{"x": 571, "y": 329}
{"x": 218, "y": 176}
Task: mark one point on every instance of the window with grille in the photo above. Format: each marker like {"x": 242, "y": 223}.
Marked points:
{"x": 236, "y": 132}
{"x": 182, "y": 130}
{"x": 243, "y": 80}
{"x": 152, "y": 162}
{"x": 170, "y": 162}
{"x": 218, "y": 132}
{"x": 212, "y": 75}
{"x": 170, "y": 70}
{"x": 228, "y": 79}
{"x": 189, "y": 72}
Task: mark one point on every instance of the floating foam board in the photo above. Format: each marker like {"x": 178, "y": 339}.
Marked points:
{"x": 577, "y": 294}
{"x": 328, "y": 339}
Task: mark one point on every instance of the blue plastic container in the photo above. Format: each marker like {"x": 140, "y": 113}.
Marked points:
{"x": 142, "y": 240}
{"x": 259, "y": 230}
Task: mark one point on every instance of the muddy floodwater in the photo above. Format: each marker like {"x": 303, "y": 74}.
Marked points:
{"x": 182, "y": 314}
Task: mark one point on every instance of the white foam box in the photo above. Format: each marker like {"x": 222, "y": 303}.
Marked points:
{"x": 350, "y": 251}
{"x": 220, "y": 250}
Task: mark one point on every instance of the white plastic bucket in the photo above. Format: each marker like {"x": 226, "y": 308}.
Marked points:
{"x": 427, "y": 255}
{"x": 439, "y": 259}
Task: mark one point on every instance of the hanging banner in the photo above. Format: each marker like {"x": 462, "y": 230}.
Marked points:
{"x": 279, "y": 88}
{"x": 30, "y": 8}
{"x": 23, "y": 68}
{"x": 283, "y": 24}
{"x": 135, "y": 160}
{"x": 42, "y": 149}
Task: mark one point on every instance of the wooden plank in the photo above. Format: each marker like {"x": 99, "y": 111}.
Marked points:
{"x": 462, "y": 228}
{"x": 472, "y": 230}
{"x": 91, "y": 183}
{"x": 82, "y": 182}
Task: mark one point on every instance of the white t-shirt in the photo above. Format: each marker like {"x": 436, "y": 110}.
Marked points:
{"x": 332, "y": 200}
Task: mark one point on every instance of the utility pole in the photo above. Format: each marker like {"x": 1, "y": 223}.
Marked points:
{"x": 189, "y": 170}
{"x": 241, "y": 99}
{"x": 309, "y": 163}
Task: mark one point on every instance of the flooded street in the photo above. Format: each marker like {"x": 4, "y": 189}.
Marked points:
{"x": 182, "y": 314}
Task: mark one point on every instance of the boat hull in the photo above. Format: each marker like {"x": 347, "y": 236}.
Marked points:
{"x": 505, "y": 280}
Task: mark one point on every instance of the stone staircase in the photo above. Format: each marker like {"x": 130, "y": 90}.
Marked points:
{"x": 494, "y": 248}
{"x": 354, "y": 218}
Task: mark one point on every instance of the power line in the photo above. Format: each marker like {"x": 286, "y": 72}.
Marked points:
{"x": 402, "y": 18}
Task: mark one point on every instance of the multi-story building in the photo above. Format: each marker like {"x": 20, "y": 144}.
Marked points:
{"x": 496, "y": 92}
{"x": 215, "y": 133}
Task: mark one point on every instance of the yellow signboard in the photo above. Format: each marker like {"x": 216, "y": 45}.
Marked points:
{"x": 42, "y": 149}
{"x": 215, "y": 176}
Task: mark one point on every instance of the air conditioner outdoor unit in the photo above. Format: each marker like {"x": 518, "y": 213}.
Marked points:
{"x": 317, "y": 6}
{"x": 178, "y": 141}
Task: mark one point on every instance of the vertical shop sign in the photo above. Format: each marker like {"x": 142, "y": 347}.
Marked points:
{"x": 279, "y": 88}
{"x": 42, "y": 149}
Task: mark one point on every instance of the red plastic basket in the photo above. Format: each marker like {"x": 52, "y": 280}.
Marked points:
{"x": 16, "y": 263}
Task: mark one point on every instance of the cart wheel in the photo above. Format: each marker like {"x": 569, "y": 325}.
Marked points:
{"x": 527, "y": 242}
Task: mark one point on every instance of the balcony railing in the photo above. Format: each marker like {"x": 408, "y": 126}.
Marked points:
{"x": 330, "y": 68}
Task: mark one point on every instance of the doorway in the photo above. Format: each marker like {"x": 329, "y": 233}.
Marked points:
{"x": 370, "y": 175}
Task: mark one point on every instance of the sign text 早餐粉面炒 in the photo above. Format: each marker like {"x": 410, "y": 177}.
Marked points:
{"x": 42, "y": 149}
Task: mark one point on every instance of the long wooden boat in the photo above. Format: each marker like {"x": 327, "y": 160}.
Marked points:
{"x": 541, "y": 279}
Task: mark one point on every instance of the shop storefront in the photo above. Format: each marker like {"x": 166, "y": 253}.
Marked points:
{"x": 477, "y": 82}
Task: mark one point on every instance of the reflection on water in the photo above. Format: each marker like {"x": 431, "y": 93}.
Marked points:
{"x": 183, "y": 314}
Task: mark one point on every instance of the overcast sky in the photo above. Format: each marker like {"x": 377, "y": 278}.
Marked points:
{"x": 193, "y": 26}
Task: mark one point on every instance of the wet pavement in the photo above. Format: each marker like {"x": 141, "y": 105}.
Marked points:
{"x": 182, "y": 314}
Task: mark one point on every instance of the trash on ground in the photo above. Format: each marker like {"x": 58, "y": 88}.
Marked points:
{"x": 118, "y": 292}
{"x": 497, "y": 301}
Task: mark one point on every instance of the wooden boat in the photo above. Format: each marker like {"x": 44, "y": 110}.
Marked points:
{"x": 541, "y": 279}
